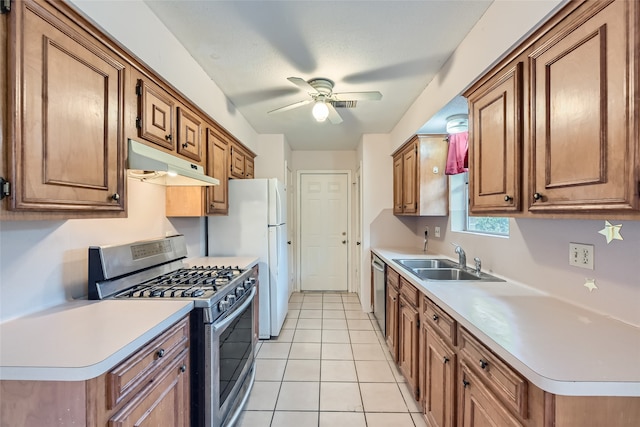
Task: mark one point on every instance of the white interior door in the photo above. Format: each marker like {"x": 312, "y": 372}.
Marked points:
{"x": 324, "y": 231}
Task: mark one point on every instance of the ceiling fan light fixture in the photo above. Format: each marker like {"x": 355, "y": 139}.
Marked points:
{"x": 320, "y": 111}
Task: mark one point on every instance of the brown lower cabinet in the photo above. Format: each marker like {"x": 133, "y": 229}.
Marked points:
{"x": 151, "y": 388}
{"x": 459, "y": 381}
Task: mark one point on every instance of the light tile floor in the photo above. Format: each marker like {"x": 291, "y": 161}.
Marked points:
{"x": 329, "y": 367}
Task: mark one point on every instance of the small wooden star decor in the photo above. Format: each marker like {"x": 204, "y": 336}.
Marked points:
{"x": 611, "y": 232}
{"x": 590, "y": 284}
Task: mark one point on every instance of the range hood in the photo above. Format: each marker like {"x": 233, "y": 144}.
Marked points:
{"x": 151, "y": 165}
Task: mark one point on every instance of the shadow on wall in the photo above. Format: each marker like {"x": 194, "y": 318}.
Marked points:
{"x": 388, "y": 230}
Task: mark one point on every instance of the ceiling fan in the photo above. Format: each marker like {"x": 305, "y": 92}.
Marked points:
{"x": 320, "y": 90}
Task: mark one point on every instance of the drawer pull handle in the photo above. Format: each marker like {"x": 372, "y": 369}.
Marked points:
{"x": 183, "y": 368}
{"x": 445, "y": 359}
{"x": 160, "y": 353}
{"x": 508, "y": 198}
{"x": 465, "y": 383}
{"x": 435, "y": 318}
{"x": 483, "y": 364}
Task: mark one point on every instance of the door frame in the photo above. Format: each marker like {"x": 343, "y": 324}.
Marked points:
{"x": 350, "y": 239}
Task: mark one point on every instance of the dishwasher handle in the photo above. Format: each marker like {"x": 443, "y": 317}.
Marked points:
{"x": 376, "y": 264}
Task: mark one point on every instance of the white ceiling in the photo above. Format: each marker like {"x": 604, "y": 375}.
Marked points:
{"x": 249, "y": 48}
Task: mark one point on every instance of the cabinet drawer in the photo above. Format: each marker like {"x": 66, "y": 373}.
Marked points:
{"x": 393, "y": 278}
{"x": 409, "y": 292}
{"x": 144, "y": 366}
{"x": 505, "y": 382}
{"x": 441, "y": 321}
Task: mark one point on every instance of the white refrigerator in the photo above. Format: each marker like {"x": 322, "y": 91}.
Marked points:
{"x": 256, "y": 226}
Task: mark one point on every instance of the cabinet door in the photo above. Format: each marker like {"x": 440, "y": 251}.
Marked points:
{"x": 439, "y": 380}
{"x": 410, "y": 180}
{"x": 156, "y": 115}
{"x": 478, "y": 407}
{"x": 408, "y": 338}
{"x": 391, "y": 321}
{"x": 237, "y": 162}
{"x": 495, "y": 142}
{"x": 189, "y": 134}
{"x": 397, "y": 185}
{"x": 164, "y": 402}
{"x": 67, "y": 103}
{"x": 248, "y": 167}
{"x": 217, "y": 167}
{"x": 583, "y": 146}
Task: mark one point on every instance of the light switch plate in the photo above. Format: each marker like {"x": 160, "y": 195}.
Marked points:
{"x": 436, "y": 231}
{"x": 581, "y": 255}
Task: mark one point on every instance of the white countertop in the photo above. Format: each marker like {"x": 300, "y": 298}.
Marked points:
{"x": 81, "y": 340}
{"x": 84, "y": 339}
{"x": 559, "y": 347}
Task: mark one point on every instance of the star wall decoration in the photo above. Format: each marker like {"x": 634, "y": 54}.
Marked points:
{"x": 611, "y": 232}
{"x": 590, "y": 284}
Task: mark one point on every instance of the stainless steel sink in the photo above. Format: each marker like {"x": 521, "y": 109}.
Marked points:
{"x": 443, "y": 270}
{"x": 444, "y": 274}
{"x": 426, "y": 263}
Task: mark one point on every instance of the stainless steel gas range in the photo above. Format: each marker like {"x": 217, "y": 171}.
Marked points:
{"x": 223, "y": 335}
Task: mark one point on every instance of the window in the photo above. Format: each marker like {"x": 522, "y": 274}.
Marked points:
{"x": 460, "y": 219}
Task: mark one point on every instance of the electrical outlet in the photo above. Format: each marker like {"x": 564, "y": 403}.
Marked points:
{"x": 436, "y": 231}
{"x": 581, "y": 255}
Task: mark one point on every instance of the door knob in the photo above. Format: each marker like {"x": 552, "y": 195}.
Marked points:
{"x": 344, "y": 242}
{"x": 288, "y": 242}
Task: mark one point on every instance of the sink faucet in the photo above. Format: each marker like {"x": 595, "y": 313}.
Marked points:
{"x": 462, "y": 257}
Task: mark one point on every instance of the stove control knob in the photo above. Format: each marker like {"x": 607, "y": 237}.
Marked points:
{"x": 240, "y": 291}
{"x": 231, "y": 299}
{"x": 223, "y": 306}
{"x": 252, "y": 280}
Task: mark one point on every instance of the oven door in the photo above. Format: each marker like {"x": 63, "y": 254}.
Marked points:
{"x": 231, "y": 369}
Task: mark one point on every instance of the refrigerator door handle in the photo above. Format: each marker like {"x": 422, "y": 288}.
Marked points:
{"x": 278, "y": 207}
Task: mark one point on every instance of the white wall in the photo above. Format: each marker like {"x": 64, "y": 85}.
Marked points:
{"x": 272, "y": 153}
{"x": 324, "y": 160}
{"x": 135, "y": 26}
{"x": 44, "y": 263}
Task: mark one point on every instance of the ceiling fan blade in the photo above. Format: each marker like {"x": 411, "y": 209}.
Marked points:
{"x": 302, "y": 84}
{"x": 291, "y": 106}
{"x": 357, "y": 96}
{"x": 334, "y": 117}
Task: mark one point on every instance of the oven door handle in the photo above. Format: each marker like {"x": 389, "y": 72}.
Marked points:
{"x": 216, "y": 327}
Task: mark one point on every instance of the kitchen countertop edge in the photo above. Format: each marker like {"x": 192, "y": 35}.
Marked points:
{"x": 174, "y": 310}
{"x": 535, "y": 374}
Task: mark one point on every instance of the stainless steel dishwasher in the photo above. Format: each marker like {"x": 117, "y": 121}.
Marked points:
{"x": 379, "y": 290}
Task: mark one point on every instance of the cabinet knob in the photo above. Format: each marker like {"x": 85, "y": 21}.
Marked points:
{"x": 160, "y": 353}
{"x": 483, "y": 363}
{"x": 168, "y": 137}
{"x": 508, "y": 198}
{"x": 185, "y": 145}
{"x": 465, "y": 383}
{"x": 115, "y": 196}
{"x": 435, "y": 318}
{"x": 537, "y": 196}
{"x": 183, "y": 368}
{"x": 445, "y": 359}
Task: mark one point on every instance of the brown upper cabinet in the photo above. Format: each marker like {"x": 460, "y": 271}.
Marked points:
{"x": 495, "y": 146}
{"x": 555, "y": 126}
{"x": 420, "y": 187}
{"x": 242, "y": 162}
{"x": 166, "y": 122}
{"x": 64, "y": 141}
{"x": 218, "y": 167}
